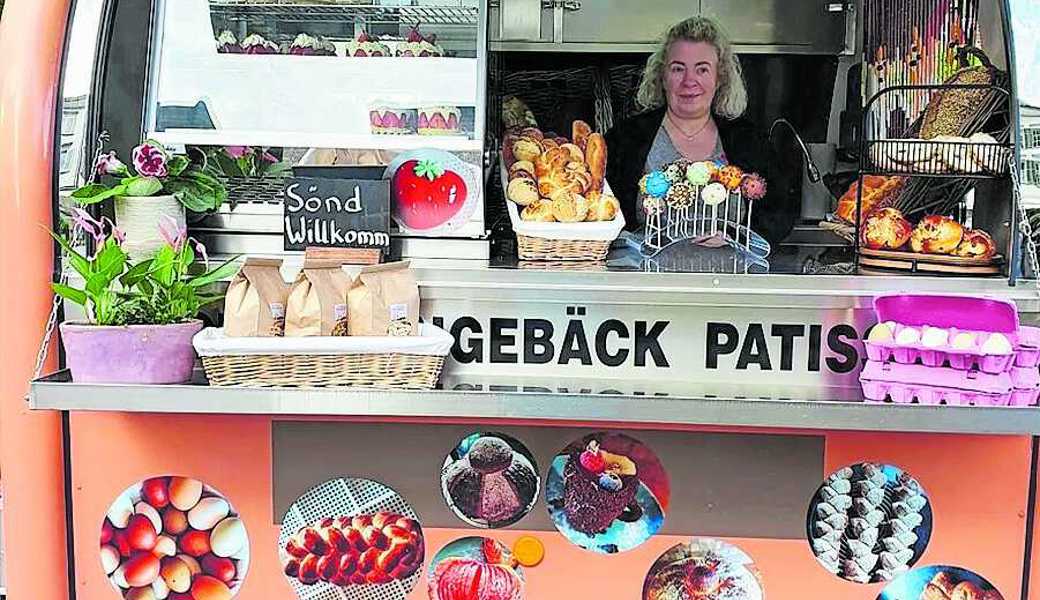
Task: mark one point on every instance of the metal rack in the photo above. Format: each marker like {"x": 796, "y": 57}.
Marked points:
{"x": 460, "y": 16}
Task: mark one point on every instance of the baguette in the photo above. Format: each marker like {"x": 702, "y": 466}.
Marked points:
{"x": 596, "y": 157}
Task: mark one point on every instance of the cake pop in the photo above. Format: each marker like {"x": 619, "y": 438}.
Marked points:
{"x": 714, "y": 194}
{"x": 652, "y": 205}
{"x": 699, "y": 173}
{"x": 642, "y": 183}
{"x": 675, "y": 172}
{"x": 681, "y": 195}
{"x": 753, "y": 187}
{"x": 730, "y": 176}
{"x": 657, "y": 184}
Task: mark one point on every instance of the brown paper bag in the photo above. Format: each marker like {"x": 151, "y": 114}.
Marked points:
{"x": 318, "y": 300}
{"x": 254, "y": 305}
{"x": 384, "y": 300}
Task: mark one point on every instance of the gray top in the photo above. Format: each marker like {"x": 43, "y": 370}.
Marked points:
{"x": 663, "y": 152}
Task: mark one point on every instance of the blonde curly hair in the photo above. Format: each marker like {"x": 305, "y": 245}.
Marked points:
{"x": 730, "y": 99}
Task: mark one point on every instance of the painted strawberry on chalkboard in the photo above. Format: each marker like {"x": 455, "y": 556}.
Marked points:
{"x": 427, "y": 195}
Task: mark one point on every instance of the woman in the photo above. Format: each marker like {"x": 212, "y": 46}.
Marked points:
{"x": 694, "y": 95}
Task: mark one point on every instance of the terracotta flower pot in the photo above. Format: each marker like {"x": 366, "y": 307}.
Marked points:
{"x": 144, "y": 354}
{"x": 138, "y": 217}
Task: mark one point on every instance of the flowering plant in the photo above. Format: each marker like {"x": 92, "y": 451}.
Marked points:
{"x": 154, "y": 172}
{"x": 245, "y": 161}
{"x": 158, "y": 291}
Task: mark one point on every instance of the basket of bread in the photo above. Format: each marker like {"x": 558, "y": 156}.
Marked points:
{"x": 559, "y": 202}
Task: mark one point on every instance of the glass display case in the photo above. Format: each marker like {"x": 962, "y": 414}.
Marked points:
{"x": 373, "y": 74}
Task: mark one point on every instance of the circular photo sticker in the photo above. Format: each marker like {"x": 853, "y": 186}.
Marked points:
{"x": 940, "y": 583}
{"x": 869, "y": 523}
{"x": 705, "y": 569}
{"x": 174, "y": 537}
{"x": 352, "y": 539}
{"x": 476, "y": 568}
{"x": 607, "y": 492}
{"x": 490, "y": 480}
{"x": 434, "y": 191}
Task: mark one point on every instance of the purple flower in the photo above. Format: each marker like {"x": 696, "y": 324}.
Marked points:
{"x": 150, "y": 160}
{"x": 109, "y": 164}
{"x": 172, "y": 232}
{"x": 237, "y": 152}
{"x": 201, "y": 250}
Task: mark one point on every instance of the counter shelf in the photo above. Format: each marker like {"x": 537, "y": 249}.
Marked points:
{"x": 507, "y": 400}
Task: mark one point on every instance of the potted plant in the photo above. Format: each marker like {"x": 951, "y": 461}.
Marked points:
{"x": 141, "y": 317}
{"x": 159, "y": 185}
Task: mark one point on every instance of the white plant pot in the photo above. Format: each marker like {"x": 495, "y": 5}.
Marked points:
{"x": 139, "y": 216}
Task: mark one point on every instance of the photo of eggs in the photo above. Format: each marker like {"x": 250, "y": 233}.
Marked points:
{"x": 174, "y": 537}
{"x": 607, "y": 492}
{"x": 869, "y": 522}
{"x": 351, "y": 539}
{"x": 490, "y": 480}
{"x": 475, "y": 568}
{"x": 940, "y": 583}
{"x": 703, "y": 569}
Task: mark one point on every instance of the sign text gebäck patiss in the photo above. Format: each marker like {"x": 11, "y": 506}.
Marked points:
{"x": 340, "y": 213}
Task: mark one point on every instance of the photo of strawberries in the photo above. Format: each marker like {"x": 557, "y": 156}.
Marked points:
{"x": 332, "y": 541}
{"x": 433, "y": 192}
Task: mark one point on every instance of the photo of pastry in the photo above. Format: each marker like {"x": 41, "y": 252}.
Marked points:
{"x": 351, "y": 539}
{"x": 490, "y": 480}
{"x": 940, "y": 583}
{"x": 607, "y": 492}
{"x": 869, "y": 523}
{"x": 475, "y": 568}
{"x": 174, "y": 537}
{"x": 703, "y": 569}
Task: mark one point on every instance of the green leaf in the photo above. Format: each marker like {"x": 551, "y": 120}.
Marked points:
{"x": 111, "y": 260}
{"x": 70, "y": 294}
{"x": 136, "y": 274}
{"x": 177, "y": 165}
{"x": 105, "y": 194}
{"x": 78, "y": 261}
{"x": 143, "y": 186}
{"x": 89, "y": 191}
{"x": 224, "y": 271}
{"x": 429, "y": 169}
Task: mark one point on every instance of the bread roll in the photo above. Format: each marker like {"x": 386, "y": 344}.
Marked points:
{"x": 533, "y": 132}
{"x": 602, "y": 207}
{"x": 522, "y": 191}
{"x": 580, "y": 132}
{"x": 554, "y": 159}
{"x": 577, "y": 155}
{"x": 524, "y": 149}
{"x": 976, "y": 244}
{"x": 539, "y": 212}
{"x": 568, "y": 207}
{"x": 521, "y": 166}
{"x": 596, "y": 158}
{"x": 936, "y": 235}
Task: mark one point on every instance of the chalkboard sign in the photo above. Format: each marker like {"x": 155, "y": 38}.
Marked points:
{"x": 338, "y": 213}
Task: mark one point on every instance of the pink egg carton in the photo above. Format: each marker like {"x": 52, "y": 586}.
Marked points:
{"x": 1027, "y": 352}
{"x": 1026, "y": 382}
{"x": 942, "y": 356}
{"x": 956, "y": 314}
{"x": 909, "y": 383}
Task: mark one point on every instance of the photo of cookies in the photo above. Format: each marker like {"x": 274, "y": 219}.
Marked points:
{"x": 351, "y": 539}
{"x": 490, "y": 480}
{"x": 869, "y": 523}
{"x": 940, "y": 583}
{"x": 607, "y": 492}
{"x": 174, "y": 536}
{"x": 703, "y": 569}
{"x": 475, "y": 568}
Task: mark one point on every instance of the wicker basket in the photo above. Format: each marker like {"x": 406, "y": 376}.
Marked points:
{"x": 385, "y": 371}
{"x": 407, "y": 363}
{"x": 532, "y": 248}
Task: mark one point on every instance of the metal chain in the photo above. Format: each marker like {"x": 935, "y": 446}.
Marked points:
{"x": 1024, "y": 226}
{"x": 52, "y": 323}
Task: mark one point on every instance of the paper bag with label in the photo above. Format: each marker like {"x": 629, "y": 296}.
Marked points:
{"x": 318, "y": 300}
{"x": 384, "y": 300}
{"x": 254, "y": 305}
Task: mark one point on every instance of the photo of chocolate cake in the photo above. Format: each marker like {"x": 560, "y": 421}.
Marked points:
{"x": 490, "y": 480}
{"x": 607, "y": 493}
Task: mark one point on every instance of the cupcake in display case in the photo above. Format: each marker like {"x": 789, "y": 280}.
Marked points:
{"x": 308, "y": 45}
{"x": 227, "y": 43}
{"x": 258, "y": 44}
{"x": 367, "y": 46}
{"x": 419, "y": 45}
{"x": 440, "y": 120}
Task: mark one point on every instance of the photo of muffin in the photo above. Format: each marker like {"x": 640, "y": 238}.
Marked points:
{"x": 869, "y": 522}
{"x": 391, "y": 121}
{"x": 475, "y": 568}
{"x": 351, "y": 539}
{"x": 490, "y": 480}
{"x": 607, "y": 492}
{"x": 440, "y": 120}
{"x": 703, "y": 569}
{"x": 940, "y": 583}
